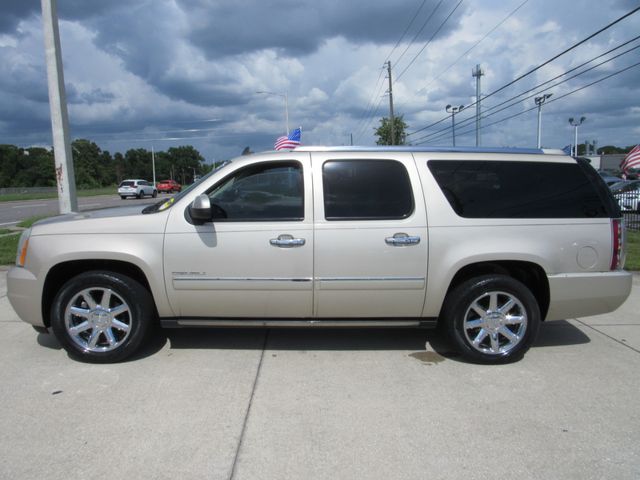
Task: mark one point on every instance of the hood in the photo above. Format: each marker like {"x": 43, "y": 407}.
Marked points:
{"x": 129, "y": 219}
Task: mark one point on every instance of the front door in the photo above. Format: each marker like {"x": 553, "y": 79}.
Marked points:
{"x": 255, "y": 260}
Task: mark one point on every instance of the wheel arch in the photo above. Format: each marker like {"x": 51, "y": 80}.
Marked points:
{"x": 530, "y": 274}
{"x": 62, "y": 272}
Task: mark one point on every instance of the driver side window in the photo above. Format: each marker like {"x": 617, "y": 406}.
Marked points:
{"x": 263, "y": 192}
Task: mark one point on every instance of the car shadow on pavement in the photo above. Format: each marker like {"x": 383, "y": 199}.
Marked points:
{"x": 428, "y": 345}
{"x": 555, "y": 333}
{"x": 558, "y": 333}
{"x": 299, "y": 338}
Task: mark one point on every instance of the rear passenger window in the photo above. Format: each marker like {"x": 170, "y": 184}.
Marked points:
{"x": 366, "y": 190}
{"x": 493, "y": 189}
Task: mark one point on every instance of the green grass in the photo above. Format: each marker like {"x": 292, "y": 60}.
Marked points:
{"x": 12, "y": 197}
{"x": 8, "y": 249}
{"x": 4, "y": 230}
{"x": 633, "y": 251}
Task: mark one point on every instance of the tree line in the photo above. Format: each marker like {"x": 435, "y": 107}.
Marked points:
{"x": 94, "y": 168}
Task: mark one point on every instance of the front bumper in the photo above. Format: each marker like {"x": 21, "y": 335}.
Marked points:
{"x": 25, "y": 295}
{"x": 583, "y": 294}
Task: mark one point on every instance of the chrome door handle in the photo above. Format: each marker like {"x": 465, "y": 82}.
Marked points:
{"x": 402, "y": 239}
{"x": 287, "y": 241}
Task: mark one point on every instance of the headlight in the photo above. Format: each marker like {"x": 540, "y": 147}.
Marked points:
{"x": 23, "y": 246}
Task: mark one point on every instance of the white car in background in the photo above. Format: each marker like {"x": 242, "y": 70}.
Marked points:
{"x": 136, "y": 188}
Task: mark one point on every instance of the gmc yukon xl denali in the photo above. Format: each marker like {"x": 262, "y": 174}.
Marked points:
{"x": 487, "y": 243}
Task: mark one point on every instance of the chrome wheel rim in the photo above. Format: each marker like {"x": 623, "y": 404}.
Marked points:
{"x": 495, "y": 323}
{"x": 98, "y": 319}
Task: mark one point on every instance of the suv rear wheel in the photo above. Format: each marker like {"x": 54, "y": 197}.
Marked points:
{"x": 101, "y": 317}
{"x": 491, "y": 318}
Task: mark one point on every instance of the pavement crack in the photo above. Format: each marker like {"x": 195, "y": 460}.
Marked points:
{"x": 608, "y": 336}
{"x": 248, "y": 411}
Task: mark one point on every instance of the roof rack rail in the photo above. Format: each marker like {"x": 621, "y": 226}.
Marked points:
{"x": 536, "y": 151}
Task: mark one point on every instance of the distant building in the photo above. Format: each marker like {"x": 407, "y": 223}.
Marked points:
{"x": 612, "y": 161}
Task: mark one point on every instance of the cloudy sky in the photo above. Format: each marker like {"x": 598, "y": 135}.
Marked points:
{"x": 161, "y": 73}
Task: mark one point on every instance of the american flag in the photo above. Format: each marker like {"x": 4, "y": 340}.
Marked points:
{"x": 632, "y": 160}
{"x": 288, "y": 142}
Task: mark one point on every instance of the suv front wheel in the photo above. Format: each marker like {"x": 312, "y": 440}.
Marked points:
{"x": 101, "y": 316}
{"x": 491, "y": 318}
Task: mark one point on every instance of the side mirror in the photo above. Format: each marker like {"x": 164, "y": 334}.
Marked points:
{"x": 200, "y": 209}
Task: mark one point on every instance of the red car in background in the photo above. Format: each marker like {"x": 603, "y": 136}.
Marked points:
{"x": 168, "y": 186}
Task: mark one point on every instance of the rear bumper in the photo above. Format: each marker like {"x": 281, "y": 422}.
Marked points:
{"x": 24, "y": 293}
{"x": 584, "y": 294}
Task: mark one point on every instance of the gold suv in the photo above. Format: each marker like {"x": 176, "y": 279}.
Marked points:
{"x": 486, "y": 242}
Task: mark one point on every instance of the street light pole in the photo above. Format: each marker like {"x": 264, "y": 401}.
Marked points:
{"x": 153, "y": 165}
{"x": 284, "y": 95}
{"x": 575, "y": 124}
{"x": 453, "y": 111}
{"x": 539, "y": 101}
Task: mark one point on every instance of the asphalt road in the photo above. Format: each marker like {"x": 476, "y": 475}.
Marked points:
{"x": 13, "y": 212}
{"x": 324, "y": 404}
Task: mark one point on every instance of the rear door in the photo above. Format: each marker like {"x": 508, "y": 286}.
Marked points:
{"x": 370, "y": 256}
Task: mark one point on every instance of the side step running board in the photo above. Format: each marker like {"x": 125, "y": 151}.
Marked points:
{"x": 331, "y": 323}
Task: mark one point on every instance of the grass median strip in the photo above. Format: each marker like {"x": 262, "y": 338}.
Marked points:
{"x": 8, "y": 248}
{"x": 9, "y": 241}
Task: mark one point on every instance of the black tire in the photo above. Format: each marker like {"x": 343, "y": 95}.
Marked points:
{"x": 501, "y": 335}
{"x": 154, "y": 194}
{"x": 102, "y": 336}
{"x": 123, "y": 197}
{"x": 140, "y": 195}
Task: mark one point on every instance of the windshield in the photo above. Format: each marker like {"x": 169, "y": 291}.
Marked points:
{"x": 168, "y": 203}
{"x": 127, "y": 183}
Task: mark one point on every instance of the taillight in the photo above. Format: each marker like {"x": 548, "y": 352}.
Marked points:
{"x": 617, "y": 248}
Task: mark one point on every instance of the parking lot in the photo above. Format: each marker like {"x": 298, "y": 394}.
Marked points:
{"x": 324, "y": 404}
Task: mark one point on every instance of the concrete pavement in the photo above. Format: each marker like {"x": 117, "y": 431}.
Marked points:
{"x": 324, "y": 404}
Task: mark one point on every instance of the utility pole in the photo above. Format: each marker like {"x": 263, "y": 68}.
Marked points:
{"x": 391, "y": 119}
{"x": 65, "y": 176}
{"x": 477, "y": 73}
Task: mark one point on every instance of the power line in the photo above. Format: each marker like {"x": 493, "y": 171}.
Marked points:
{"x": 417, "y": 34}
{"x": 574, "y": 46}
{"x": 535, "y": 107}
{"x": 491, "y": 109}
{"x": 563, "y": 52}
{"x": 372, "y": 116}
{"x": 513, "y": 12}
{"x": 430, "y": 39}
{"x": 371, "y": 110}
{"x": 405, "y": 32}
